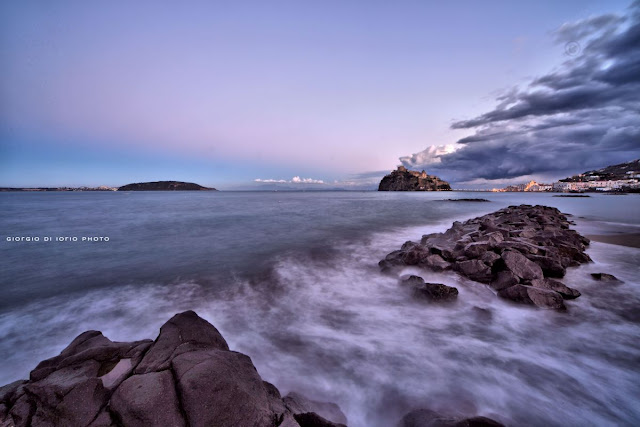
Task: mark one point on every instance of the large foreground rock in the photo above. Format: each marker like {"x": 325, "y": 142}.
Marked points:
{"x": 186, "y": 377}
{"x": 525, "y": 246}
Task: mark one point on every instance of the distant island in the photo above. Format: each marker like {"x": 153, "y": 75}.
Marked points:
{"x": 403, "y": 179}
{"x": 33, "y": 189}
{"x": 164, "y": 186}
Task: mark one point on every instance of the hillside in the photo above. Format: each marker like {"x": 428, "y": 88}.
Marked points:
{"x": 164, "y": 186}
{"x": 621, "y": 171}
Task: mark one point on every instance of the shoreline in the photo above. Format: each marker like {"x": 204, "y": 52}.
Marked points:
{"x": 630, "y": 240}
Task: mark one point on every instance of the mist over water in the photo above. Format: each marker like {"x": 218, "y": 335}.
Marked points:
{"x": 292, "y": 281}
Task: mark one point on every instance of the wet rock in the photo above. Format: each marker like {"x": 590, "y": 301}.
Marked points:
{"x": 412, "y": 281}
{"x": 551, "y": 267}
{"x": 528, "y": 242}
{"x": 188, "y": 376}
{"x": 428, "y": 418}
{"x": 476, "y": 249}
{"x": 475, "y": 269}
{"x": 147, "y": 400}
{"x": 503, "y": 280}
{"x": 435, "y": 292}
{"x": 554, "y": 285}
{"x": 183, "y": 332}
{"x": 436, "y": 263}
{"x": 8, "y": 391}
{"x": 430, "y": 291}
{"x": 489, "y": 258}
{"x": 604, "y": 277}
{"x": 530, "y": 295}
{"x": 311, "y": 419}
{"x": 299, "y": 404}
{"x": 521, "y": 267}
{"x": 221, "y": 388}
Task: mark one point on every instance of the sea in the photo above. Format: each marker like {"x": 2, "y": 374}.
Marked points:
{"x": 292, "y": 280}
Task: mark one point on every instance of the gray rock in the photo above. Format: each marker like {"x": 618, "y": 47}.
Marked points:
{"x": 311, "y": 419}
{"x": 428, "y": 418}
{"x": 475, "y": 269}
{"x": 410, "y": 281}
{"x": 189, "y": 377}
{"x": 436, "y": 263}
{"x": 604, "y": 277}
{"x": 147, "y": 400}
{"x": 299, "y": 404}
{"x": 522, "y": 267}
{"x": 542, "y": 298}
{"x": 538, "y": 233}
{"x": 8, "y": 391}
{"x": 183, "y": 332}
{"x": 490, "y": 258}
{"x": 551, "y": 267}
{"x": 435, "y": 292}
{"x": 475, "y": 249}
{"x": 503, "y": 280}
{"x": 221, "y": 388}
{"x": 554, "y": 285}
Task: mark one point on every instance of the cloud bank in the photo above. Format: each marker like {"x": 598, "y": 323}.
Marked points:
{"x": 583, "y": 115}
{"x": 294, "y": 180}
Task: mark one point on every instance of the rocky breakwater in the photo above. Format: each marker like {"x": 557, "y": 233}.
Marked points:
{"x": 519, "y": 251}
{"x": 186, "y": 377}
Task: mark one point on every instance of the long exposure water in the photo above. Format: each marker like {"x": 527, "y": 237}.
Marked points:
{"x": 291, "y": 279}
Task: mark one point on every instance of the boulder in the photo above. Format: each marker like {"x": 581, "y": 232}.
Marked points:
{"x": 435, "y": 292}
{"x": 475, "y": 269}
{"x": 299, "y": 404}
{"x": 520, "y": 266}
{"x": 554, "y": 285}
{"x": 147, "y": 400}
{"x": 490, "y": 258}
{"x": 220, "y": 388}
{"x": 311, "y": 419}
{"x": 530, "y": 295}
{"x": 412, "y": 281}
{"x": 183, "y": 332}
{"x": 428, "y": 418}
{"x": 430, "y": 291}
{"x": 436, "y": 263}
{"x": 188, "y": 376}
{"x": 503, "y": 280}
{"x": 551, "y": 266}
{"x": 604, "y": 277}
{"x": 475, "y": 249}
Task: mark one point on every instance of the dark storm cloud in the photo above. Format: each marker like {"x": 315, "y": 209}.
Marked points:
{"x": 585, "y": 114}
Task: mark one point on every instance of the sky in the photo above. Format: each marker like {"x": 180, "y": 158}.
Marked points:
{"x": 331, "y": 94}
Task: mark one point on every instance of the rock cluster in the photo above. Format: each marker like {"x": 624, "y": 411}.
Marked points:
{"x": 186, "y": 377}
{"x": 430, "y": 291}
{"x": 402, "y": 179}
{"x": 519, "y": 251}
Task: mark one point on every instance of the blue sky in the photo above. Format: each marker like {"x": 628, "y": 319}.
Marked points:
{"x": 224, "y": 93}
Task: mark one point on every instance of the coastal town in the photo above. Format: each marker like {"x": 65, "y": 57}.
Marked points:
{"x": 624, "y": 177}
